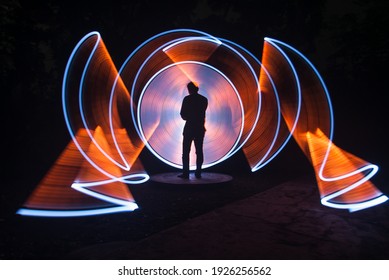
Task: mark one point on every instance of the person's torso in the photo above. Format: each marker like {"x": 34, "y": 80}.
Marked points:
{"x": 195, "y": 111}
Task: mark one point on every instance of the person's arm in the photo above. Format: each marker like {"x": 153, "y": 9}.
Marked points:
{"x": 184, "y": 109}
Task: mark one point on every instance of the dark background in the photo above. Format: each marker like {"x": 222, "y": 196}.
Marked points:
{"x": 347, "y": 41}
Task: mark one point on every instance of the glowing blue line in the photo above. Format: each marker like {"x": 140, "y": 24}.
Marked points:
{"x": 264, "y": 162}
{"x": 77, "y": 213}
{"x": 297, "y": 81}
{"x": 80, "y": 94}
{"x": 352, "y": 207}
{"x": 187, "y": 39}
{"x": 257, "y": 83}
{"x": 229, "y": 153}
{"x": 110, "y": 120}
{"x": 64, "y": 108}
{"x": 258, "y": 164}
{"x": 125, "y": 205}
{"x": 64, "y": 104}
{"x": 81, "y": 188}
{"x": 368, "y": 204}
{"x": 160, "y": 35}
{"x": 124, "y": 179}
{"x": 317, "y": 75}
{"x": 256, "y": 78}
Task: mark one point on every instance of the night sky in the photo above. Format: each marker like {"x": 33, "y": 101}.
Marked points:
{"x": 347, "y": 41}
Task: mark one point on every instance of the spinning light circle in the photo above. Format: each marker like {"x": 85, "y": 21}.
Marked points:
{"x": 160, "y": 102}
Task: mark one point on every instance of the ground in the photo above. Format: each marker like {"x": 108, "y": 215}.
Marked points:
{"x": 271, "y": 214}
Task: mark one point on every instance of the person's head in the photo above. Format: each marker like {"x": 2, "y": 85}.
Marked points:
{"x": 192, "y": 88}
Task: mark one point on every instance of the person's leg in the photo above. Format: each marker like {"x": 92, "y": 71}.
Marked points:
{"x": 198, "y": 141}
{"x": 186, "y": 143}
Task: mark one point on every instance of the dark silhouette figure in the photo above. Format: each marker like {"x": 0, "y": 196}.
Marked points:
{"x": 192, "y": 111}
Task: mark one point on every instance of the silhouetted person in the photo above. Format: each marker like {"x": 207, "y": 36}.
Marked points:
{"x": 192, "y": 111}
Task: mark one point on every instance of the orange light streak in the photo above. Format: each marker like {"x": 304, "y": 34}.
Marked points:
{"x": 54, "y": 191}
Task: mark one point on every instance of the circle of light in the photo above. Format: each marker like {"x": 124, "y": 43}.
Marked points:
{"x": 157, "y": 152}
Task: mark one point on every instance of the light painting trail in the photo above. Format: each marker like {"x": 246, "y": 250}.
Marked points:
{"x": 255, "y": 106}
{"x": 342, "y": 178}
